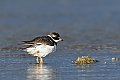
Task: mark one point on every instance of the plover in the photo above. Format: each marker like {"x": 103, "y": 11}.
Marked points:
{"x": 42, "y": 46}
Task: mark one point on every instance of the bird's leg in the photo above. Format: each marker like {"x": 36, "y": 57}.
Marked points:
{"x": 37, "y": 59}
{"x": 41, "y": 60}
{"x": 39, "y": 56}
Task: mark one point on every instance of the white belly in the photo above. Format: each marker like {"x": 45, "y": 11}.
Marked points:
{"x": 42, "y": 50}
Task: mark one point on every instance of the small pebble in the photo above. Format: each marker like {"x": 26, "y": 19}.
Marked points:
{"x": 105, "y": 62}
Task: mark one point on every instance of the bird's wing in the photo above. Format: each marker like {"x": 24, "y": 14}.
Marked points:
{"x": 39, "y": 40}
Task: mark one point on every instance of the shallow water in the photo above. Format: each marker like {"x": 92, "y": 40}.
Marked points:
{"x": 58, "y": 66}
{"x": 88, "y": 28}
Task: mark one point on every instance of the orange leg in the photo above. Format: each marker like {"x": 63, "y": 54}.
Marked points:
{"x": 37, "y": 59}
{"x": 41, "y": 60}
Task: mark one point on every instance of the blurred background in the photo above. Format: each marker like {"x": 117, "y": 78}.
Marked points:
{"x": 88, "y": 27}
{"x": 78, "y": 21}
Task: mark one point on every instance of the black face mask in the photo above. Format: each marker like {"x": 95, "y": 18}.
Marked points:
{"x": 55, "y": 38}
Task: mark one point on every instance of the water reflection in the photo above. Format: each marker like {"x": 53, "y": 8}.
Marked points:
{"x": 40, "y": 72}
{"x": 84, "y": 68}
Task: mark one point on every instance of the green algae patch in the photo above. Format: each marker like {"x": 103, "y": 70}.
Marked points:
{"x": 85, "y": 60}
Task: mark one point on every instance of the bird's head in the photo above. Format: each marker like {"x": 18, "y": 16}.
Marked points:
{"x": 55, "y": 36}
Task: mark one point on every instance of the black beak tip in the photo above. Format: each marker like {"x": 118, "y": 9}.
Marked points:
{"x": 62, "y": 40}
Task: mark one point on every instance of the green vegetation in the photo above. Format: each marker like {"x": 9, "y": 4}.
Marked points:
{"x": 84, "y": 60}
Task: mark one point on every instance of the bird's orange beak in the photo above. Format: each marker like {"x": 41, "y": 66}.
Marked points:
{"x": 61, "y": 39}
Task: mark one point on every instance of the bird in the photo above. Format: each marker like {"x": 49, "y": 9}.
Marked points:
{"x": 41, "y": 46}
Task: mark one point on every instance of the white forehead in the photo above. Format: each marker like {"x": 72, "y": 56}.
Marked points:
{"x": 53, "y": 35}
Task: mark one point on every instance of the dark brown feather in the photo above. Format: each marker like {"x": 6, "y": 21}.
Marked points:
{"x": 43, "y": 40}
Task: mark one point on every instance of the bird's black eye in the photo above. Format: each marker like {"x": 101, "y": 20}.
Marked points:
{"x": 55, "y": 38}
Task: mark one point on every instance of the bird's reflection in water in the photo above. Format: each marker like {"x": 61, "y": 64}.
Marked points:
{"x": 40, "y": 72}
